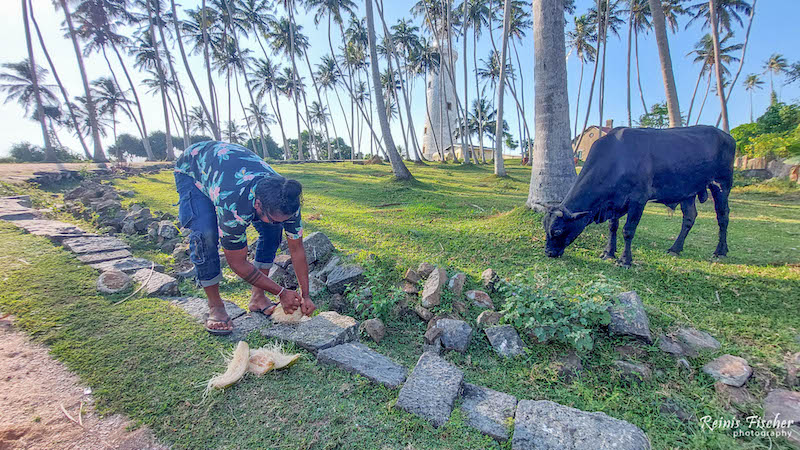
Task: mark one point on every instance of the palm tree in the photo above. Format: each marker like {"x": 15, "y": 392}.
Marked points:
{"x": 579, "y": 40}
{"x": 398, "y": 167}
{"x": 147, "y": 57}
{"x": 328, "y": 77}
{"x": 91, "y": 113}
{"x": 198, "y": 121}
{"x": 704, "y": 54}
{"x": 265, "y": 77}
{"x": 727, "y": 12}
{"x": 638, "y": 22}
{"x": 553, "y": 169}
{"x": 110, "y": 100}
{"x": 49, "y": 154}
{"x": 671, "y": 92}
{"x": 27, "y": 87}
{"x": 775, "y": 65}
{"x": 751, "y": 83}
{"x": 718, "y": 66}
{"x": 233, "y": 133}
{"x": 607, "y": 18}
{"x": 741, "y": 59}
{"x": 499, "y": 167}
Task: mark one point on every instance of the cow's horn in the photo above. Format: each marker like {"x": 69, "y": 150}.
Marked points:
{"x": 558, "y": 213}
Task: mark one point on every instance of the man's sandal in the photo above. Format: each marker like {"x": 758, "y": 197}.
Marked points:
{"x": 265, "y": 309}
{"x": 218, "y": 331}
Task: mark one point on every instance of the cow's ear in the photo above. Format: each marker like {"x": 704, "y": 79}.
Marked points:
{"x": 557, "y": 212}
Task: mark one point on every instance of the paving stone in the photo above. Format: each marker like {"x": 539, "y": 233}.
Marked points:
{"x": 729, "y": 369}
{"x": 358, "y": 358}
{"x": 432, "y": 290}
{"x": 54, "y": 230}
{"x": 456, "y": 284}
{"x": 11, "y": 209}
{"x": 342, "y": 276}
{"x": 247, "y": 323}
{"x": 318, "y": 247}
{"x": 487, "y": 410}
{"x": 94, "y": 244}
{"x": 628, "y": 317}
{"x": 633, "y": 371}
{"x": 488, "y": 318}
{"x": 505, "y": 340}
{"x": 156, "y": 283}
{"x": 456, "y": 334}
{"x": 198, "y": 307}
{"x": 113, "y": 282}
{"x": 547, "y": 425}
{"x": 93, "y": 258}
{"x": 480, "y": 299}
{"x": 431, "y": 390}
{"x": 127, "y": 265}
{"x": 326, "y": 330}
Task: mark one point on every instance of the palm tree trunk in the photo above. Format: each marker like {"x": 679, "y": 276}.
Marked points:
{"x": 319, "y": 99}
{"x": 170, "y": 155}
{"x": 145, "y": 141}
{"x": 521, "y": 104}
{"x": 295, "y": 81}
{"x": 64, "y": 94}
{"x": 602, "y": 93}
{"x": 214, "y": 105}
{"x": 49, "y": 154}
{"x": 182, "y": 113}
{"x": 499, "y": 164}
{"x": 638, "y": 77}
{"x": 398, "y": 168}
{"x": 591, "y": 94}
{"x": 99, "y": 155}
{"x": 578, "y": 101}
{"x": 276, "y": 107}
{"x": 628, "y": 72}
{"x": 479, "y": 96}
{"x": 741, "y": 59}
{"x": 553, "y": 171}
{"x": 671, "y": 92}
{"x": 712, "y": 9}
{"x": 702, "y": 105}
{"x": 126, "y": 104}
{"x": 691, "y": 103}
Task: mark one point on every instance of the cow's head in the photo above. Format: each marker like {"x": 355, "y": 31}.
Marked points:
{"x": 561, "y": 227}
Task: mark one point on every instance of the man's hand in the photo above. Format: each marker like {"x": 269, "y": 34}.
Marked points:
{"x": 290, "y": 300}
{"x": 306, "y": 305}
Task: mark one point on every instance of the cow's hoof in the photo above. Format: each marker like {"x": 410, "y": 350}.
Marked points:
{"x": 673, "y": 253}
{"x": 624, "y": 264}
{"x": 607, "y": 256}
{"x": 720, "y": 255}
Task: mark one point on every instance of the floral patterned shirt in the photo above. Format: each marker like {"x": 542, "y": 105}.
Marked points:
{"x": 227, "y": 174}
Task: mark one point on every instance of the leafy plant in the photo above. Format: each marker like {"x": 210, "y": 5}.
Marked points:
{"x": 559, "y": 308}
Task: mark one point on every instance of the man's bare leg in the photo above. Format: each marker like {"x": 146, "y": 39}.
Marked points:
{"x": 216, "y": 309}
{"x": 259, "y": 300}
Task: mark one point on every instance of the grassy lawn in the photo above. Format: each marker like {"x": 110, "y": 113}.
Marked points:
{"x": 146, "y": 359}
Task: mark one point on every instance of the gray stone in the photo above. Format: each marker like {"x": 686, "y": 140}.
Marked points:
{"x": 374, "y": 328}
{"x": 412, "y": 276}
{"x": 167, "y": 230}
{"x": 784, "y": 405}
{"x": 408, "y": 287}
{"x": 113, "y": 282}
{"x": 792, "y": 365}
{"x": 460, "y": 307}
{"x": 156, "y": 283}
{"x": 480, "y": 299}
{"x": 280, "y": 276}
{"x": 547, "y": 425}
{"x": 315, "y": 286}
{"x": 326, "y": 330}
{"x": 318, "y": 247}
{"x": 432, "y": 290}
{"x": 423, "y": 313}
{"x": 490, "y": 279}
{"x": 672, "y": 407}
{"x": 456, "y": 334}
{"x": 488, "y": 318}
{"x": 431, "y": 390}
{"x": 435, "y": 347}
{"x": 282, "y": 260}
{"x": 696, "y": 340}
{"x": 342, "y": 276}
{"x": 633, "y": 371}
{"x": 94, "y": 244}
{"x": 92, "y": 258}
{"x": 628, "y": 317}
{"x": 672, "y": 346}
{"x": 127, "y": 265}
{"x": 128, "y": 228}
{"x": 357, "y": 358}
{"x": 729, "y": 369}
{"x": 198, "y": 307}
{"x": 432, "y": 335}
{"x": 337, "y": 303}
{"x": 52, "y": 229}
{"x": 425, "y": 269}
{"x": 733, "y": 395}
{"x": 329, "y": 267}
{"x": 489, "y": 411}
{"x": 246, "y": 324}
{"x": 505, "y": 340}
{"x": 456, "y": 284}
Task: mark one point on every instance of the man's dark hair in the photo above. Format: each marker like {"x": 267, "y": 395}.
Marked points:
{"x": 279, "y": 195}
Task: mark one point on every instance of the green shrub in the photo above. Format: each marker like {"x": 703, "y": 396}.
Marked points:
{"x": 559, "y": 308}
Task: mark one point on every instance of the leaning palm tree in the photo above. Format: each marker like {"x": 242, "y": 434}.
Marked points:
{"x": 49, "y": 154}
{"x": 26, "y": 85}
{"x": 662, "y": 42}
{"x": 704, "y": 54}
{"x": 718, "y": 66}
{"x": 607, "y": 18}
{"x": 398, "y": 167}
{"x": 198, "y": 121}
{"x": 91, "y": 112}
{"x": 775, "y": 65}
{"x": 499, "y": 166}
{"x": 638, "y": 22}
{"x": 580, "y": 41}
{"x": 148, "y": 57}
{"x": 751, "y": 83}
{"x": 110, "y": 100}
{"x": 265, "y": 77}
{"x": 553, "y": 169}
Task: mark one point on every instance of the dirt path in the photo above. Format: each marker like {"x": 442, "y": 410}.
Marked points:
{"x": 22, "y": 172}
{"x": 34, "y": 386}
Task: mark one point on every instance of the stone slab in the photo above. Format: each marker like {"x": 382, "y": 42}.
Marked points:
{"x": 246, "y": 324}
{"x": 489, "y": 411}
{"x": 94, "y": 258}
{"x": 505, "y": 340}
{"x": 729, "y": 369}
{"x": 342, "y": 276}
{"x": 358, "y": 358}
{"x": 94, "y": 244}
{"x": 198, "y": 307}
{"x": 548, "y": 425}
{"x": 326, "y": 330}
{"x": 431, "y": 390}
{"x": 156, "y": 283}
{"x": 456, "y": 334}
{"x": 629, "y": 318}
{"x": 127, "y": 265}
{"x": 54, "y": 230}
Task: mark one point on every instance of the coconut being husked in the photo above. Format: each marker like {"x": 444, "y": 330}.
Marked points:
{"x": 236, "y": 368}
{"x": 271, "y": 353}
{"x": 279, "y": 316}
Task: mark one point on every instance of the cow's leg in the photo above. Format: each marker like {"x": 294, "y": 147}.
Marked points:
{"x": 634, "y": 215}
{"x": 689, "y": 210}
{"x": 611, "y": 248}
{"x": 720, "y": 195}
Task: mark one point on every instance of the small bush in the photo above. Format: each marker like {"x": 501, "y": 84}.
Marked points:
{"x": 559, "y": 308}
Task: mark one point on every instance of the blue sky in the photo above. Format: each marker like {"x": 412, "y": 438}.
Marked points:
{"x": 774, "y": 31}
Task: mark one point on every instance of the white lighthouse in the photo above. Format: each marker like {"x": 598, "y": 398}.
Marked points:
{"x": 441, "y": 117}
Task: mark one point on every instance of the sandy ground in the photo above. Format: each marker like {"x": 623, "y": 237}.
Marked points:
{"x": 34, "y": 386}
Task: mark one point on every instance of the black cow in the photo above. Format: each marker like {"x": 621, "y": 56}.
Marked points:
{"x": 631, "y": 166}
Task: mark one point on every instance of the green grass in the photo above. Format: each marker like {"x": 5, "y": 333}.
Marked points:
{"x": 146, "y": 359}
